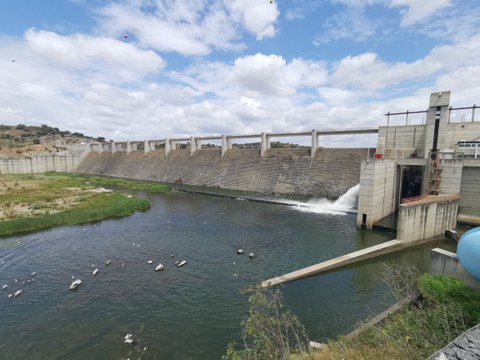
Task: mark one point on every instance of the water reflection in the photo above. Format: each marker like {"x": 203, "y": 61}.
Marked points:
{"x": 179, "y": 313}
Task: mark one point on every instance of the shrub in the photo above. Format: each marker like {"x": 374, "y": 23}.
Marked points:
{"x": 271, "y": 331}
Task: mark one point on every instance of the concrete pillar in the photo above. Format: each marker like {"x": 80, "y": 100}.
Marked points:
{"x": 263, "y": 144}
{"x": 314, "y": 143}
{"x": 146, "y": 147}
{"x": 193, "y": 145}
{"x": 129, "y": 147}
{"x": 224, "y": 144}
{"x": 168, "y": 147}
{"x": 439, "y": 100}
{"x": 114, "y": 147}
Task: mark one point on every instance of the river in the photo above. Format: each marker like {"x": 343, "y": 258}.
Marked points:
{"x": 188, "y": 312}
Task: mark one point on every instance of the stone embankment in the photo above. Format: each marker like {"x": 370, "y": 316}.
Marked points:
{"x": 330, "y": 173}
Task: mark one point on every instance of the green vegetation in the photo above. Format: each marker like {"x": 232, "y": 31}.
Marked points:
{"x": 129, "y": 184}
{"x": 447, "y": 308}
{"x": 271, "y": 331}
{"x": 98, "y": 208}
{"x": 35, "y": 202}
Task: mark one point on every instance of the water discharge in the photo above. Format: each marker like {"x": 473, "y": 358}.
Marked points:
{"x": 345, "y": 204}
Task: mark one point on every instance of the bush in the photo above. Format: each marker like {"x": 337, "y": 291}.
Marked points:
{"x": 271, "y": 331}
{"x": 444, "y": 290}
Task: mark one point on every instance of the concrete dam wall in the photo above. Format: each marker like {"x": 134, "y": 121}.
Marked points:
{"x": 330, "y": 173}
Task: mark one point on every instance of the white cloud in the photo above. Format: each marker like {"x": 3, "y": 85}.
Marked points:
{"x": 272, "y": 76}
{"x": 189, "y": 27}
{"x": 456, "y": 25}
{"x": 81, "y": 52}
{"x": 351, "y": 24}
{"x": 419, "y": 10}
{"x": 336, "y": 96}
{"x": 356, "y": 24}
{"x": 367, "y": 71}
{"x": 122, "y": 89}
{"x": 258, "y": 16}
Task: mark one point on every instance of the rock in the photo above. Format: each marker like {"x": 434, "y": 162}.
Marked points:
{"x": 465, "y": 347}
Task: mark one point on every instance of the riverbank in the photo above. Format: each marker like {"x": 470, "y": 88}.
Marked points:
{"x": 445, "y": 308}
{"x": 37, "y": 202}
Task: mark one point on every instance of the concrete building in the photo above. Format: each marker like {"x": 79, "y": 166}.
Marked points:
{"x": 423, "y": 177}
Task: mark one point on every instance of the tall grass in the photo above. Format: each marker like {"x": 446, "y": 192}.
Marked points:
{"x": 446, "y": 309}
{"x": 102, "y": 207}
{"x": 35, "y": 202}
{"x": 117, "y": 182}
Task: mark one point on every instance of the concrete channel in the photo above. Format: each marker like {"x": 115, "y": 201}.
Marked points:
{"x": 387, "y": 247}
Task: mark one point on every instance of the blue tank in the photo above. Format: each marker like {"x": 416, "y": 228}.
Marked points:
{"x": 468, "y": 252}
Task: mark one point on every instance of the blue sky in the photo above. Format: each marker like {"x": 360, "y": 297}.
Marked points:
{"x": 151, "y": 69}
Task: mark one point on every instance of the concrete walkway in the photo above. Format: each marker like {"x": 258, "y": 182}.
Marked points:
{"x": 347, "y": 259}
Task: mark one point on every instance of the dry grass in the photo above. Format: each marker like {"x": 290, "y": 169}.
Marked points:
{"x": 35, "y": 202}
{"x": 26, "y": 196}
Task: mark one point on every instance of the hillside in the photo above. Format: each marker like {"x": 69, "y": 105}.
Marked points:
{"x": 22, "y": 140}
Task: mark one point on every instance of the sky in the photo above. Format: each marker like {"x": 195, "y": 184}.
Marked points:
{"x": 154, "y": 69}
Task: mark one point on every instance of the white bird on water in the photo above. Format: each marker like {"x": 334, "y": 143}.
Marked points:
{"x": 75, "y": 284}
{"x": 95, "y": 272}
{"x": 129, "y": 339}
{"x": 159, "y": 267}
{"x": 181, "y": 263}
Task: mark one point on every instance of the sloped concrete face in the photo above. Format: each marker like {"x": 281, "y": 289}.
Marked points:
{"x": 426, "y": 220}
{"x": 330, "y": 173}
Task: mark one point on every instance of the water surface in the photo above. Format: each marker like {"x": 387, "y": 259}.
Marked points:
{"x": 191, "y": 312}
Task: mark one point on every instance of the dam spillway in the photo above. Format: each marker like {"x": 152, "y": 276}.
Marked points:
{"x": 329, "y": 173}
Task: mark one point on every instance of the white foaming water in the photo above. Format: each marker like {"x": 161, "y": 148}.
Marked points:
{"x": 346, "y": 203}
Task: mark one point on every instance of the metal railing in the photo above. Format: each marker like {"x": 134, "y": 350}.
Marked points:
{"x": 455, "y": 114}
{"x": 463, "y": 115}
{"x": 408, "y": 116}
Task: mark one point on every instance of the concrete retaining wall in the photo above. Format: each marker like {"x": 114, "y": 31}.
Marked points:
{"x": 443, "y": 262}
{"x": 426, "y": 220}
{"x": 39, "y": 164}
{"x": 470, "y": 193}
{"x": 378, "y": 191}
{"x": 404, "y": 139}
{"x": 451, "y": 176}
{"x": 330, "y": 173}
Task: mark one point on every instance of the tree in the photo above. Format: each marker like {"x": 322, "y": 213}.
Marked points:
{"x": 271, "y": 330}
